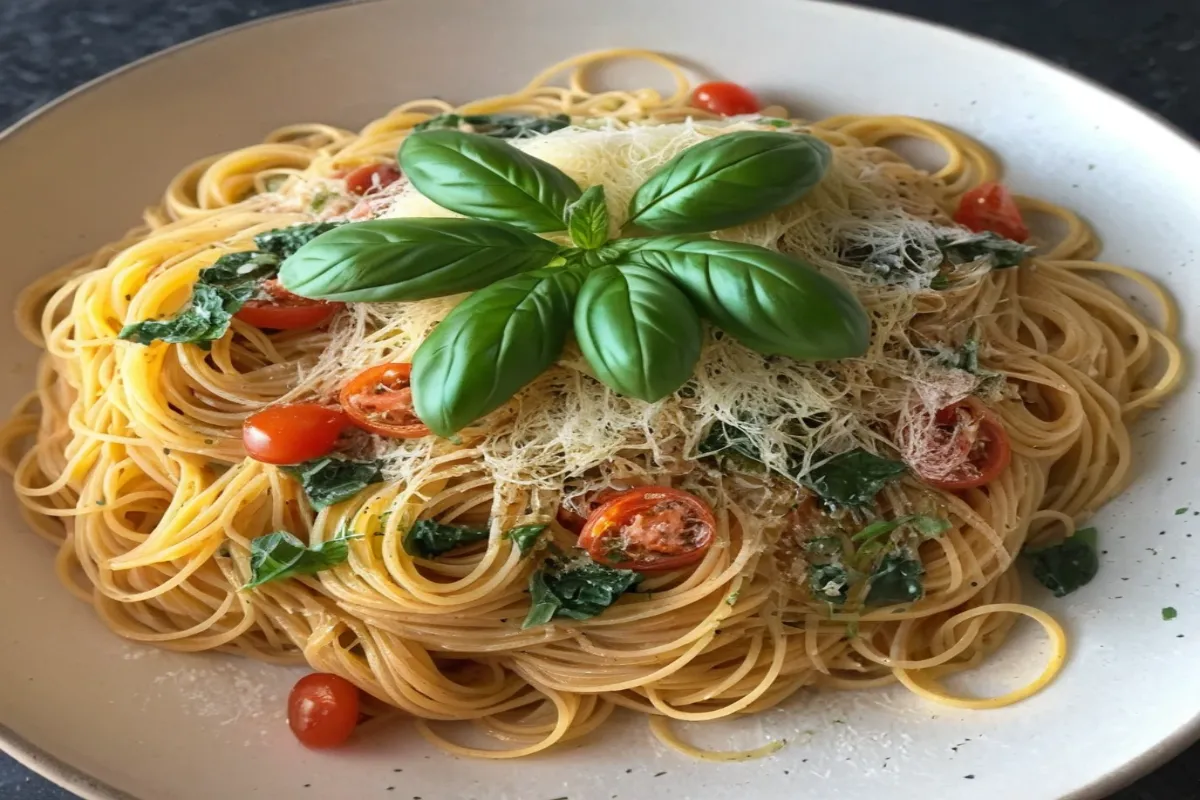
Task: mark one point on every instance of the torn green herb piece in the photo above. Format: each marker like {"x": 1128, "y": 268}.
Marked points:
{"x": 428, "y": 538}
{"x": 331, "y": 479}
{"x": 281, "y": 555}
{"x": 525, "y": 536}
{"x": 578, "y": 589}
{"x": 1065, "y": 567}
{"x": 1001, "y": 253}
{"x": 853, "y": 479}
{"x": 896, "y": 579}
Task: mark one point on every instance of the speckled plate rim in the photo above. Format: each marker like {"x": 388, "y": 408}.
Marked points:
{"x": 63, "y": 774}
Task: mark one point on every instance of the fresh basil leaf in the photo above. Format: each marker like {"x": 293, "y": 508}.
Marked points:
{"x": 485, "y": 178}
{"x": 1000, "y": 252}
{"x": 576, "y": 590}
{"x": 282, "y": 242}
{"x": 499, "y": 126}
{"x": 729, "y": 180}
{"x": 721, "y": 437}
{"x": 1069, "y": 565}
{"x": 929, "y": 527}
{"x": 829, "y": 582}
{"x": 281, "y": 555}
{"x": 852, "y": 479}
{"x": 411, "y": 259}
{"x": 330, "y": 480}
{"x": 587, "y": 219}
{"x": 428, "y": 538}
{"x": 238, "y": 270}
{"x": 638, "y": 331}
{"x": 490, "y": 345}
{"x": 768, "y": 301}
{"x": 525, "y": 536}
{"x": 204, "y": 319}
{"x": 896, "y": 579}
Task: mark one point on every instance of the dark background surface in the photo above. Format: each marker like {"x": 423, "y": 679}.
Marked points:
{"x": 1146, "y": 49}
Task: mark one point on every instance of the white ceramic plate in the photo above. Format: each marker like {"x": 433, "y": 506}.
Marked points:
{"x": 105, "y": 717}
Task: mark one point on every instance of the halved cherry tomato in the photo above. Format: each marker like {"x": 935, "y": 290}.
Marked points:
{"x": 972, "y": 444}
{"x": 380, "y": 400}
{"x": 650, "y": 528}
{"x": 990, "y": 207}
{"x": 371, "y": 178}
{"x": 323, "y": 710}
{"x": 294, "y": 433}
{"x": 725, "y": 98}
{"x": 569, "y": 516}
{"x": 285, "y": 311}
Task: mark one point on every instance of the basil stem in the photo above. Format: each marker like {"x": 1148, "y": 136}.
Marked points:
{"x": 485, "y": 178}
{"x": 411, "y": 259}
{"x": 638, "y": 331}
{"x": 490, "y": 345}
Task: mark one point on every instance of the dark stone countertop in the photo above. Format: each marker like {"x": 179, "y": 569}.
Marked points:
{"x": 1146, "y": 49}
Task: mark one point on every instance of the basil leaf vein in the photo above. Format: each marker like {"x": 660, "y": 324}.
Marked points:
{"x": 411, "y": 259}
{"x": 484, "y": 178}
{"x": 638, "y": 331}
{"x": 729, "y": 180}
{"x": 490, "y": 345}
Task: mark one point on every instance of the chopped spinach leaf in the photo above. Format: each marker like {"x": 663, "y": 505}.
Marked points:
{"x": 579, "y": 589}
{"x": 525, "y": 536}
{"x": 1169, "y": 614}
{"x": 896, "y": 579}
{"x": 501, "y": 126}
{"x": 204, "y": 319}
{"x": 239, "y": 270}
{"x": 428, "y": 538}
{"x": 929, "y": 527}
{"x": 968, "y": 247}
{"x": 852, "y": 479}
{"x": 281, "y": 555}
{"x": 283, "y": 242}
{"x": 829, "y": 582}
{"x": 1065, "y": 567}
{"x": 330, "y": 480}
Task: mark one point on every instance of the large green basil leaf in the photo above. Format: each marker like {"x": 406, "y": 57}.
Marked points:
{"x": 490, "y": 345}
{"x": 770, "y": 302}
{"x": 411, "y": 259}
{"x": 729, "y": 180}
{"x": 637, "y": 330}
{"x": 481, "y": 177}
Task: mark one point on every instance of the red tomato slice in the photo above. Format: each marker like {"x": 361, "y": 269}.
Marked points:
{"x": 323, "y": 710}
{"x": 990, "y": 207}
{"x": 292, "y": 434}
{"x": 285, "y": 311}
{"x": 974, "y": 446}
{"x": 569, "y": 516}
{"x": 371, "y": 178}
{"x": 650, "y": 528}
{"x": 723, "y": 97}
{"x": 380, "y": 400}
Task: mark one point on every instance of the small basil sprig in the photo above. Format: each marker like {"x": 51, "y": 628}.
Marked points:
{"x": 637, "y": 330}
{"x": 490, "y": 345}
{"x": 281, "y": 555}
{"x": 480, "y": 177}
{"x": 729, "y": 180}
{"x": 643, "y": 293}
{"x": 412, "y": 259}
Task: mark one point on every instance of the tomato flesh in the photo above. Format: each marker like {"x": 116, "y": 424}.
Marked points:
{"x": 973, "y": 432}
{"x": 323, "y": 710}
{"x": 371, "y": 178}
{"x": 649, "y": 529}
{"x": 725, "y": 98}
{"x": 990, "y": 207}
{"x": 291, "y": 434}
{"x": 569, "y": 517}
{"x": 379, "y": 400}
{"x": 285, "y": 311}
